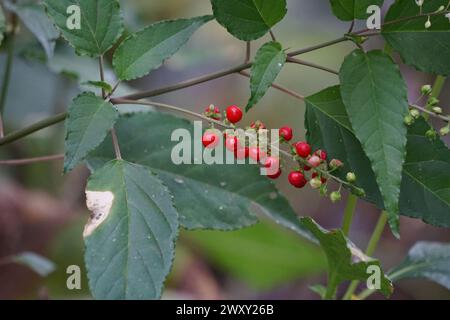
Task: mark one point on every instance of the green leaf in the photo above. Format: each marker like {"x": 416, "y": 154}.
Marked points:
{"x": 248, "y": 19}
{"x": 345, "y": 260}
{"x": 269, "y": 61}
{"x": 425, "y": 49}
{"x": 89, "y": 120}
{"x": 130, "y": 238}
{"x": 429, "y": 260}
{"x": 221, "y": 197}
{"x": 425, "y": 189}
{"x": 39, "y": 264}
{"x": 348, "y": 10}
{"x": 98, "y": 84}
{"x": 2, "y": 25}
{"x": 319, "y": 289}
{"x": 100, "y": 24}
{"x": 34, "y": 18}
{"x": 264, "y": 255}
{"x": 375, "y": 97}
{"x": 147, "y": 49}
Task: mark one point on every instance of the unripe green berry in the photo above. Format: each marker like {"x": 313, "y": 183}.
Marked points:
{"x": 359, "y": 192}
{"x": 335, "y": 196}
{"x": 426, "y": 89}
{"x": 351, "y": 177}
{"x": 437, "y": 110}
{"x": 315, "y": 183}
{"x": 430, "y": 134}
{"x": 409, "y": 120}
{"x": 433, "y": 101}
{"x": 414, "y": 113}
{"x": 444, "y": 131}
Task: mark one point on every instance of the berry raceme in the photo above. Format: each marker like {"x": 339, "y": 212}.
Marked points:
{"x": 213, "y": 112}
{"x": 301, "y": 151}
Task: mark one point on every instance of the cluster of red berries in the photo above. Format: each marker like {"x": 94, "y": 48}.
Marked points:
{"x": 301, "y": 151}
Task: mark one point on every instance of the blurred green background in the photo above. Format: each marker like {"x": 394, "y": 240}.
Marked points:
{"x": 43, "y": 211}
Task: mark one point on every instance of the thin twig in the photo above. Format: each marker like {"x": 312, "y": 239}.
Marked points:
{"x": 278, "y": 87}
{"x": 102, "y": 74}
{"x": 312, "y": 65}
{"x": 16, "y": 135}
{"x": 272, "y": 35}
{"x": 248, "y": 50}
{"x": 350, "y": 29}
{"x": 116, "y": 144}
{"x": 424, "y": 110}
{"x": 19, "y": 162}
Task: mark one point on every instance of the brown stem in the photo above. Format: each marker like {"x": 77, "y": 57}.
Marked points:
{"x": 424, "y": 110}
{"x": 312, "y": 65}
{"x": 272, "y": 35}
{"x": 278, "y": 87}
{"x": 116, "y": 144}
{"x": 19, "y": 162}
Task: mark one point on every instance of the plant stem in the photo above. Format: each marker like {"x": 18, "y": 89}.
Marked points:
{"x": 436, "y": 92}
{"x": 19, "y": 162}
{"x": 102, "y": 74}
{"x": 373, "y": 242}
{"x": 116, "y": 144}
{"x": 272, "y": 35}
{"x": 278, "y": 87}
{"x": 429, "y": 113}
{"x": 248, "y": 51}
{"x": 33, "y": 128}
{"x": 349, "y": 213}
{"x": 312, "y": 65}
{"x": 7, "y": 75}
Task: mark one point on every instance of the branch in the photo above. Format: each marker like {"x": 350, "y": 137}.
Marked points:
{"x": 276, "y": 86}
{"x": 33, "y": 128}
{"x": 431, "y": 113}
{"x": 312, "y": 65}
{"x": 19, "y": 162}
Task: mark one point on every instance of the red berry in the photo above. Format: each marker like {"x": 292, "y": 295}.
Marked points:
{"x": 275, "y": 175}
{"x": 286, "y": 133}
{"x": 234, "y": 114}
{"x": 297, "y": 179}
{"x": 232, "y": 143}
{"x": 306, "y": 168}
{"x": 210, "y": 139}
{"x": 241, "y": 152}
{"x": 272, "y": 165}
{"x": 314, "y": 161}
{"x": 321, "y": 154}
{"x": 315, "y": 175}
{"x": 256, "y": 154}
{"x": 303, "y": 149}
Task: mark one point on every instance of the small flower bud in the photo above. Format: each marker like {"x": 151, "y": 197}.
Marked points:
{"x": 430, "y": 134}
{"x": 419, "y": 2}
{"x": 335, "y": 163}
{"x": 351, "y": 177}
{"x": 433, "y": 101}
{"x": 409, "y": 120}
{"x": 437, "y": 110}
{"x": 426, "y": 89}
{"x": 444, "y": 131}
{"x": 315, "y": 183}
{"x": 414, "y": 113}
{"x": 428, "y": 24}
{"x": 359, "y": 192}
{"x": 441, "y": 8}
{"x": 335, "y": 196}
